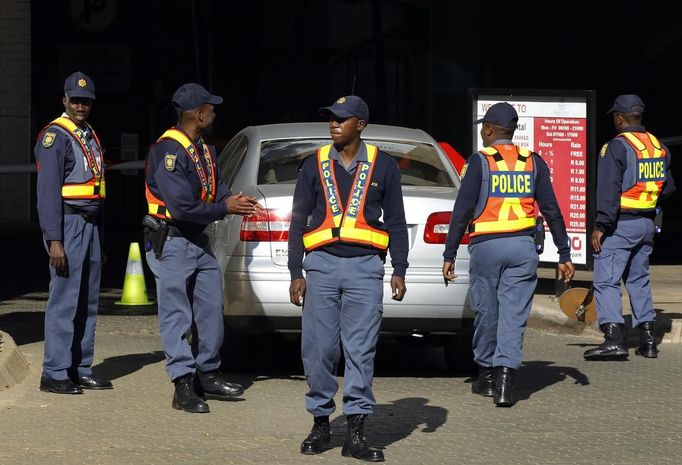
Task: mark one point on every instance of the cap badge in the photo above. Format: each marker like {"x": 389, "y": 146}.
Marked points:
{"x": 82, "y": 83}
{"x": 48, "y": 139}
{"x": 170, "y": 161}
{"x": 341, "y": 100}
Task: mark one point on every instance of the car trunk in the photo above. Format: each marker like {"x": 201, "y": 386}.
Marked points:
{"x": 419, "y": 202}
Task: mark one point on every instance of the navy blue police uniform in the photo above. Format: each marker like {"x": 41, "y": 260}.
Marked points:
{"x": 344, "y": 277}
{"x": 70, "y": 192}
{"x": 184, "y": 191}
{"x": 633, "y": 176}
{"x": 503, "y": 257}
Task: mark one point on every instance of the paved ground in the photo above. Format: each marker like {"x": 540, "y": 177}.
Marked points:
{"x": 570, "y": 412}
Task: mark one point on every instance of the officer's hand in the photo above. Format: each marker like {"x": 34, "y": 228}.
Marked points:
{"x": 566, "y": 271}
{"x": 58, "y": 258}
{"x": 398, "y": 288}
{"x": 597, "y": 236}
{"x": 448, "y": 272}
{"x": 297, "y": 291}
{"x": 241, "y": 204}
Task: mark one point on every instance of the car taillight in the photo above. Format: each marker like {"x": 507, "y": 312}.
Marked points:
{"x": 267, "y": 226}
{"x": 437, "y": 225}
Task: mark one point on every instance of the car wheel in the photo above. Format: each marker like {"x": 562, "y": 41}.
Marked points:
{"x": 234, "y": 350}
{"x": 459, "y": 354}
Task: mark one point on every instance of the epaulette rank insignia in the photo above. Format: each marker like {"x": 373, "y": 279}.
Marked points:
{"x": 48, "y": 139}
{"x": 170, "y": 161}
{"x": 603, "y": 150}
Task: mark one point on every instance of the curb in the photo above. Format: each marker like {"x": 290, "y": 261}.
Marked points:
{"x": 13, "y": 365}
{"x": 546, "y": 316}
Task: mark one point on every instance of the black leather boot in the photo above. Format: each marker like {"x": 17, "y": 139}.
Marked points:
{"x": 485, "y": 383}
{"x": 504, "y": 387}
{"x": 613, "y": 347}
{"x": 318, "y": 438}
{"x": 356, "y": 443}
{"x": 647, "y": 342}
{"x": 185, "y": 398}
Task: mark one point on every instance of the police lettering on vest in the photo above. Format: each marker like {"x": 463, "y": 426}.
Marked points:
{"x": 644, "y": 173}
{"x": 507, "y": 204}
{"x": 650, "y": 170}
{"x": 156, "y": 206}
{"x": 510, "y": 184}
{"x": 85, "y": 182}
{"x": 349, "y": 225}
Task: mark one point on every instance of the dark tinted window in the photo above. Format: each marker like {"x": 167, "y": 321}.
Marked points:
{"x": 231, "y": 159}
{"x": 419, "y": 163}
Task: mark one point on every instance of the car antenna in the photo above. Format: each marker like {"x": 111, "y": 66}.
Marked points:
{"x": 352, "y": 90}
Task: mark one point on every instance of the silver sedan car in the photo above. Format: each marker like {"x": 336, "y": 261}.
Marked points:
{"x": 263, "y": 161}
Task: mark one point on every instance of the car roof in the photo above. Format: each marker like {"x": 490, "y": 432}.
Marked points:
{"x": 321, "y": 130}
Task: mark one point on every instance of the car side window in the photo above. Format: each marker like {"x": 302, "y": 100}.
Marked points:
{"x": 231, "y": 159}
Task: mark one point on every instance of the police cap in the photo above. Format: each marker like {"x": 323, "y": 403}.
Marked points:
{"x": 192, "y": 95}
{"x": 628, "y": 103}
{"x": 345, "y": 107}
{"x": 501, "y": 114}
{"x": 79, "y": 85}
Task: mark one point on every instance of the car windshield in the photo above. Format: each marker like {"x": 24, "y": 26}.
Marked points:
{"x": 420, "y": 164}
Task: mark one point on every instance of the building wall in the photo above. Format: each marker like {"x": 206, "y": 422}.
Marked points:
{"x": 15, "y": 107}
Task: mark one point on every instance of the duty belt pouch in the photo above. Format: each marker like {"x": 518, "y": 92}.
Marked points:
{"x": 539, "y": 235}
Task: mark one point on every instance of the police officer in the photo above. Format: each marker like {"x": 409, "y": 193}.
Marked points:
{"x": 633, "y": 176}
{"x": 184, "y": 194}
{"x": 496, "y": 202}
{"x": 71, "y": 193}
{"x": 344, "y": 189}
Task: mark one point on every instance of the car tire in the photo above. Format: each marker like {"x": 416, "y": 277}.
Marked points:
{"x": 459, "y": 354}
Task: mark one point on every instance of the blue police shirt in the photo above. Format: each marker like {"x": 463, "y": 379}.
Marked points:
{"x": 54, "y": 164}
{"x": 383, "y": 196}
{"x": 467, "y": 198}
{"x": 610, "y": 170}
{"x": 180, "y": 187}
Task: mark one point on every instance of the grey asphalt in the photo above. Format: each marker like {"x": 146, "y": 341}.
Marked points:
{"x": 570, "y": 411}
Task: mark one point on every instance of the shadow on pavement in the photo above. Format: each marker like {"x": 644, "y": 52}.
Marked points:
{"x": 404, "y": 416}
{"x": 122, "y": 365}
{"x": 25, "y": 327}
{"x": 537, "y": 375}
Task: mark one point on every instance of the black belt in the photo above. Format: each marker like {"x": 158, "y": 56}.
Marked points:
{"x": 89, "y": 216}
{"x": 174, "y": 231}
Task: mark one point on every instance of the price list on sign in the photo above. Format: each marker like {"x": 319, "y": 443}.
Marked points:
{"x": 561, "y": 143}
{"x": 556, "y": 129}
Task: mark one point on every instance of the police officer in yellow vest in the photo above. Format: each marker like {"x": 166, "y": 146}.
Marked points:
{"x": 340, "y": 196}
{"x": 184, "y": 194}
{"x": 71, "y": 193}
{"x": 633, "y": 176}
{"x": 496, "y": 202}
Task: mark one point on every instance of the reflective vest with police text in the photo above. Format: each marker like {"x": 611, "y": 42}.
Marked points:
{"x": 156, "y": 206}
{"x": 506, "y": 201}
{"x": 347, "y": 225}
{"x": 644, "y": 173}
{"x": 85, "y": 182}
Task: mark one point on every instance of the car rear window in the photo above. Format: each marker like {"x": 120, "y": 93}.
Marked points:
{"x": 420, "y": 164}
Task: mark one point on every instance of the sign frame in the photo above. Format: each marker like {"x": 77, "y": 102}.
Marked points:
{"x": 515, "y": 95}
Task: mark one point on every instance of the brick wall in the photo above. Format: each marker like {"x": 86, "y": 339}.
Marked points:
{"x": 15, "y": 100}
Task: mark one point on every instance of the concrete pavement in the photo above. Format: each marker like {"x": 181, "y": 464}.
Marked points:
{"x": 570, "y": 411}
